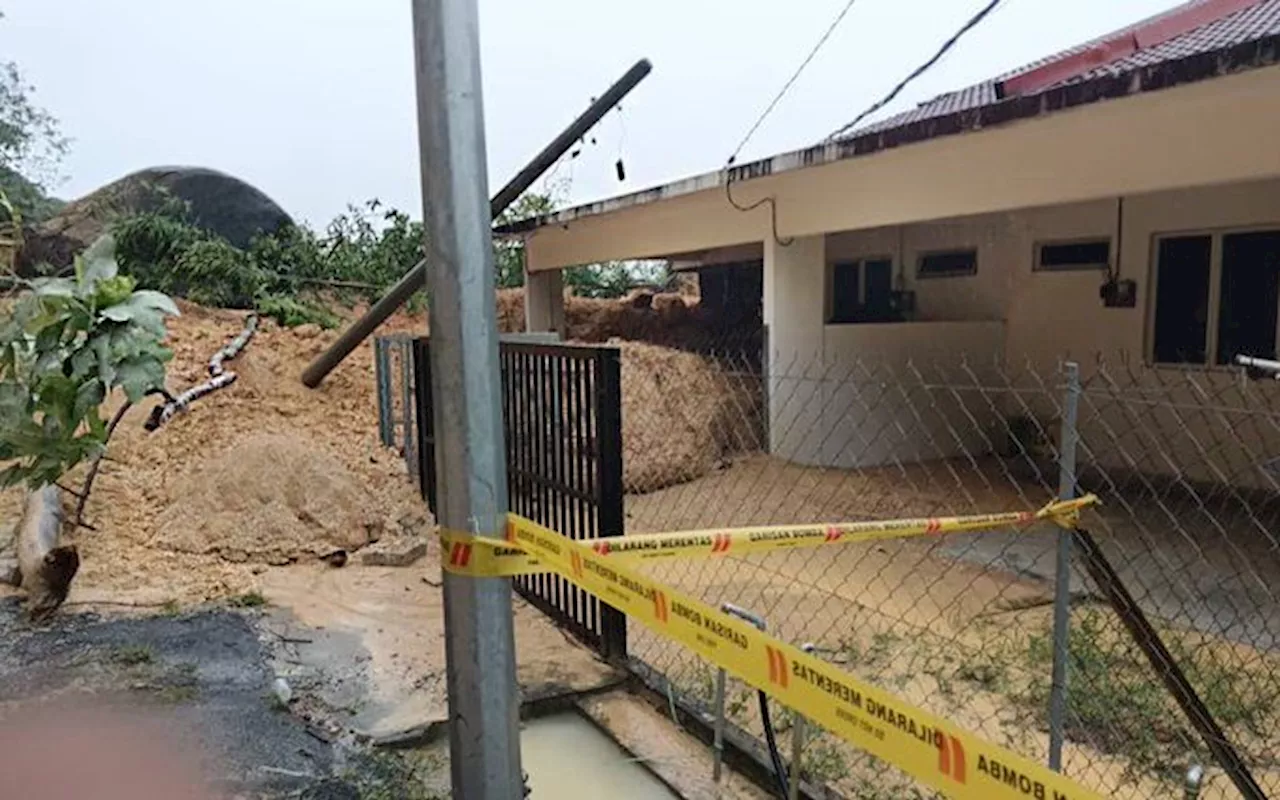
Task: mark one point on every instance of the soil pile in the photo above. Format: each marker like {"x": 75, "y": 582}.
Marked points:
{"x": 270, "y": 498}
{"x": 180, "y": 513}
{"x": 681, "y": 415}
{"x": 669, "y": 319}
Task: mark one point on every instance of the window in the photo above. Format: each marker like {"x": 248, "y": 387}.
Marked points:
{"x": 1193, "y": 321}
{"x": 1063, "y": 256}
{"x": 862, "y": 291}
{"x": 947, "y": 264}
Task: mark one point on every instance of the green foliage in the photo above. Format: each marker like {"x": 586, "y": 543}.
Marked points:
{"x": 31, "y": 145}
{"x": 614, "y": 278}
{"x": 282, "y": 275}
{"x": 1116, "y": 703}
{"x": 291, "y": 312}
{"x": 247, "y": 600}
{"x": 67, "y": 344}
{"x": 508, "y": 254}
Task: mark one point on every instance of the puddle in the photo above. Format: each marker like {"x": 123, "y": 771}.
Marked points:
{"x": 568, "y": 757}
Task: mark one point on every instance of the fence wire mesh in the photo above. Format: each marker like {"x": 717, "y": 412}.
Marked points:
{"x": 962, "y": 625}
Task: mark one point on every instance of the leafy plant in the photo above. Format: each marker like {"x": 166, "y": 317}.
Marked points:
{"x": 291, "y": 312}
{"x": 67, "y": 344}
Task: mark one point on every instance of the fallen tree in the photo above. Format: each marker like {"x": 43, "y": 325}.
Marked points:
{"x": 46, "y": 564}
{"x": 219, "y": 378}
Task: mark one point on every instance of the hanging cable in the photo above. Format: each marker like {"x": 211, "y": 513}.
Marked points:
{"x": 787, "y": 86}
{"x": 773, "y": 206}
{"x": 920, "y": 70}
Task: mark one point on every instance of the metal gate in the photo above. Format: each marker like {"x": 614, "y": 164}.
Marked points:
{"x": 562, "y": 420}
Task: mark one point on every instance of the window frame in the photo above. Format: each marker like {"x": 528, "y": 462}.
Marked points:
{"x": 861, "y": 263}
{"x": 926, "y": 276}
{"x": 1214, "y": 316}
{"x": 1038, "y": 248}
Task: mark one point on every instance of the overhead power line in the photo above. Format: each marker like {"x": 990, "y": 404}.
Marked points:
{"x": 920, "y": 70}
{"x": 787, "y": 86}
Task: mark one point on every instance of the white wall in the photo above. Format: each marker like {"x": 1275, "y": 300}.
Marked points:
{"x": 1190, "y": 420}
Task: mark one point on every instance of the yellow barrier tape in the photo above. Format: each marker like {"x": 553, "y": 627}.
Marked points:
{"x": 479, "y": 556}
{"x": 929, "y": 748}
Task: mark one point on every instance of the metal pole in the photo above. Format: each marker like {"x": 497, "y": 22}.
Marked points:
{"x": 416, "y": 278}
{"x": 1062, "y": 570}
{"x": 484, "y": 742}
{"x": 717, "y": 754}
{"x": 797, "y": 744}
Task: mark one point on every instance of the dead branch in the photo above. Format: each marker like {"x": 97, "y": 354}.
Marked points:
{"x": 83, "y": 497}
{"x": 219, "y": 378}
{"x": 234, "y": 347}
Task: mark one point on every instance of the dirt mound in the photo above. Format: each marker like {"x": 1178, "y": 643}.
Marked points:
{"x": 669, "y": 319}
{"x": 148, "y": 544}
{"x": 270, "y": 498}
{"x": 681, "y": 415}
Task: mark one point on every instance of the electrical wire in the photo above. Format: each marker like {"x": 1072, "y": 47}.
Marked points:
{"x": 779, "y": 772}
{"x": 920, "y": 70}
{"x": 791, "y": 81}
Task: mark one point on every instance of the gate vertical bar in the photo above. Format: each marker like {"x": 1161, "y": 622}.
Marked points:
{"x": 613, "y": 623}
{"x": 426, "y": 434}
{"x": 484, "y": 740}
{"x": 382, "y": 375}
{"x": 407, "y": 401}
{"x": 1062, "y": 569}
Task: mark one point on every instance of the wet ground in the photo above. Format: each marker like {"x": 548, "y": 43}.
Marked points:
{"x": 205, "y": 674}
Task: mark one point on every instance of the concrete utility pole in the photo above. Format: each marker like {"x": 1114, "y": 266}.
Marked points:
{"x": 479, "y": 641}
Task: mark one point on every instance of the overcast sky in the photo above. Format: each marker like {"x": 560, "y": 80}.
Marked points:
{"x": 312, "y": 100}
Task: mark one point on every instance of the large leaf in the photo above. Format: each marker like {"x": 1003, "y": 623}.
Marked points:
{"x": 89, "y": 396}
{"x": 144, "y": 309}
{"x": 99, "y": 262}
{"x": 12, "y": 476}
{"x": 157, "y": 300}
{"x": 103, "y": 247}
{"x": 137, "y": 376}
{"x": 13, "y": 405}
{"x": 53, "y": 287}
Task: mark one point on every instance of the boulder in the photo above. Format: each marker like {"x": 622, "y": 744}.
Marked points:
{"x": 219, "y": 203}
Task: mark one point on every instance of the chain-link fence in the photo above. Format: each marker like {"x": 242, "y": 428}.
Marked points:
{"x": 963, "y": 625}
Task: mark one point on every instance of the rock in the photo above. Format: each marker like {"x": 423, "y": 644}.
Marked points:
{"x": 398, "y": 552}
{"x": 10, "y": 575}
{"x": 308, "y": 331}
{"x": 218, "y": 202}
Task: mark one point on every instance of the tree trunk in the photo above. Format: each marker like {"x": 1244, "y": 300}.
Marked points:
{"x": 47, "y": 566}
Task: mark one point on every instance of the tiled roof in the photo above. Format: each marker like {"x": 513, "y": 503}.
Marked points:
{"x": 1255, "y": 22}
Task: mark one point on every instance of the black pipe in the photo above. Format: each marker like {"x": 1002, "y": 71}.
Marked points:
{"x": 1162, "y": 661}
{"x": 778, "y": 771}
{"x": 416, "y": 278}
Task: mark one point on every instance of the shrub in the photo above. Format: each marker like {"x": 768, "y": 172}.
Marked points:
{"x": 66, "y": 345}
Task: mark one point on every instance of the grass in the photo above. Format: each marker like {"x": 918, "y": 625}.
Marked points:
{"x": 252, "y": 599}
{"x": 133, "y": 655}
{"x": 381, "y": 775}
{"x": 1116, "y": 702}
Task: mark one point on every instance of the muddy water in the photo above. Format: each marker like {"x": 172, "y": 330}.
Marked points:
{"x": 568, "y": 757}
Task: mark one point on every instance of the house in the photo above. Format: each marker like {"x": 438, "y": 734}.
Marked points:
{"x": 1121, "y": 197}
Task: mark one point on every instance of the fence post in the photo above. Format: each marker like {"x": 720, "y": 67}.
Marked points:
{"x": 608, "y": 400}
{"x": 382, "y": 375}
{"x": 1062, "y": 569}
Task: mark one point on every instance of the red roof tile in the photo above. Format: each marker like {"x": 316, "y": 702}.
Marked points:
{"x": 1238, "y": 26}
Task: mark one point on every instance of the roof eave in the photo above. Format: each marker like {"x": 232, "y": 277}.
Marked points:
{"x": 1255, "y": 54}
